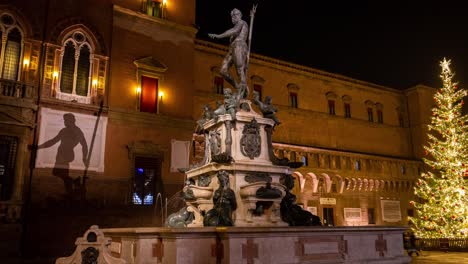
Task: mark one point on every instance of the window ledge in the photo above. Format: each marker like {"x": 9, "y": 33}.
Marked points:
{"x": 73, "y": 98}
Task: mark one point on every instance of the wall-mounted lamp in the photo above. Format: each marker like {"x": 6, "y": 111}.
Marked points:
{"x": 25, "y": 69}
{"x": 138, "y": 93}
{"x": 163, "y": 9}
{"x": 54, "y": 83}
{"x": 95, "y": 83}
{"x": 160, "y": 98}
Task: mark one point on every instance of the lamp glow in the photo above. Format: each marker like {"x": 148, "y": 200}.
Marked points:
{"x": 55, "y": 74}
{"x": 161, "y": 94}
{"x": 95, "y": 82}
{"x": 26, "y": 62}
{"x": 138, "y": 90}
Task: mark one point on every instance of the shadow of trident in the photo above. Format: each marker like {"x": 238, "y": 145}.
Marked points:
{"x": 88, "y": 158}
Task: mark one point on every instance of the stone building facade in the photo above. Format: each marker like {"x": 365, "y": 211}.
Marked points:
{"x": 106, "y": 94}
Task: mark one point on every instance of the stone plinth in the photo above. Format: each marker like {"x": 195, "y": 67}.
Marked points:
{"x": 258, "y": 245}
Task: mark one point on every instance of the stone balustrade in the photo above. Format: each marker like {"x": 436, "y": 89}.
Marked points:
{"x": 9, "y": 88}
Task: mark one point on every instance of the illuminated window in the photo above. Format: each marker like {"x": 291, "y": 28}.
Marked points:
{"x": 150, "y": 72}
{"x": 258, "y": 89}
{"x": 347, "y": 108}
{"x": 149, "y": 94}
{"x": 146, "y": 176}
{"x": 331, "y": 107}
{"x": 293, "y": 100}
{"x": 357, "y": 165}
{"x": 305, "y": 161}
{"x": 75, "y": 69}
{"x": 370, "y": 114}
{"x": 11, "y": 47}
{"x": 218, "y": 84}
{"x": 153, "y": 8}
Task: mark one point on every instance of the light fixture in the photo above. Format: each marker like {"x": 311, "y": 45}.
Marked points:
{"x": 55, "y": 74}
{"x": 160, "y": 97}
{"x": 138, "y": 90}
{"x": 95, "y": 83}
{"x": 26, "y": 62}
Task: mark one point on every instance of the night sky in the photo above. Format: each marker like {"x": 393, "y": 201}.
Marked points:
{"x": 389, "y": 43}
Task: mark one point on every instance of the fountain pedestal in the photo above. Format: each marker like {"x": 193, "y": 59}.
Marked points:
{"x": 240, "y": 147}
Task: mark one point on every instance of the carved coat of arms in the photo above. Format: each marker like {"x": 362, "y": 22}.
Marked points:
{"x": 250, "y": 141}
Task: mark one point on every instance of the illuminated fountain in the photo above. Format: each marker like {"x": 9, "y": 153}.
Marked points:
{"x": 239, "y": 205}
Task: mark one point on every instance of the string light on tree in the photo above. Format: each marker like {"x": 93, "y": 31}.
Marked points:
{"x": 442, "y": 207}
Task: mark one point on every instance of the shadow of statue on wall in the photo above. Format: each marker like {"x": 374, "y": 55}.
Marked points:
{"x": 69, "y": 137}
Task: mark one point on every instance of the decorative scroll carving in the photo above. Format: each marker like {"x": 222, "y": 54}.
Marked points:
{"x": 275, "y": 160}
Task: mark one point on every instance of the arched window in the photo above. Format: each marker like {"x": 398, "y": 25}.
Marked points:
{"x": 379, "y": 108}
{"x": 331, "y": 98}
{"x": 257, "y": 83}
{"x": 75, "y": 69}
{"x": 11, "y": 49}
{"x": 370, "y": 110}
{"x": 293, "y": 95}
{"x": 347, "y": 105}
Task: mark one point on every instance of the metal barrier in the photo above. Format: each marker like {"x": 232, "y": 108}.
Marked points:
{"x": 443, "y": 244}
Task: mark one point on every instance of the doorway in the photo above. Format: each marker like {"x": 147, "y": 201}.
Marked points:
{"x": 328, "y": 219}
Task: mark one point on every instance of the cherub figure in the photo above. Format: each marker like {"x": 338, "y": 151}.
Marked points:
{"x": 208, "y": 114}
{"x": 267, "y": 109}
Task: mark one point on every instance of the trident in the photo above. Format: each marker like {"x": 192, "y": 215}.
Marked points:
{"x": 252, "y": 16}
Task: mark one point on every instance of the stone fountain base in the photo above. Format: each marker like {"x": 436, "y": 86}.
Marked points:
{"x": 251, "y": 245}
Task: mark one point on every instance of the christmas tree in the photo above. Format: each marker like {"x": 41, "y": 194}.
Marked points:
{"x": 442, "y": 207}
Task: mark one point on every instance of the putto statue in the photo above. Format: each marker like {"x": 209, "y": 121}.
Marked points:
{"x": 267, "y": 109}
{"x": 237, "y": 54}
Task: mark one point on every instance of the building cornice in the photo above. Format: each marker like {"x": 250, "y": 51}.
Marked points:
{"x": 419, "y": 87}
{"x": 163, "y": 22}
{"x": 292, "y": 67}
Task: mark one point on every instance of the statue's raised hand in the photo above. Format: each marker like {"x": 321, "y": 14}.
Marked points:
{"x": 213, "y": 36}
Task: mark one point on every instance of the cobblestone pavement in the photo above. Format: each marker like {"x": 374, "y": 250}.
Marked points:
{"x": 426, "y": 257}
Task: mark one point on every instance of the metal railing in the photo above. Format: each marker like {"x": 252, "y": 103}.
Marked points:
{"x": 15, "y": 89}
{"x": 443, "y": 244}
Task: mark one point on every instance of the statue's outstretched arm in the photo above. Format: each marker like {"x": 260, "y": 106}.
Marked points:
{"x": 230, "y": 32}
